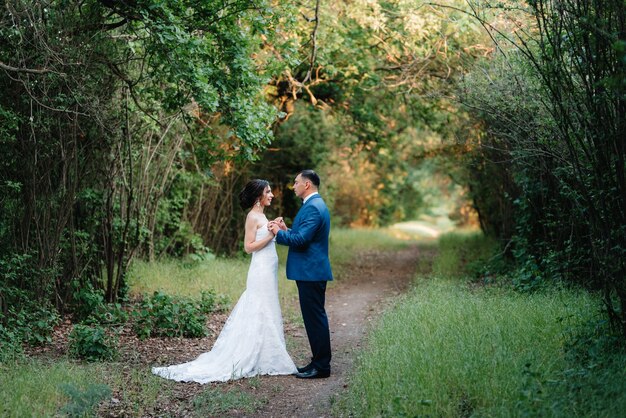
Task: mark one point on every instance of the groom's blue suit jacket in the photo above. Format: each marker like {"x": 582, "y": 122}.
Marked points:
{"x": 308, "y": 242}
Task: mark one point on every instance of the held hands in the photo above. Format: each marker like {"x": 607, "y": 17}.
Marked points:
{"x": 281, "y": 223}
{"x": 276, "y": 225}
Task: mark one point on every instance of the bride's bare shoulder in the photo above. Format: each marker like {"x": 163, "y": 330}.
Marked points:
{"x": 256, "y": 219}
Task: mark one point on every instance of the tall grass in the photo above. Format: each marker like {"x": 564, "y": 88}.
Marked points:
{"x": 459, "y": 251}
{"x": 446, "y": 351}
{"x": 450, "y": 350}
{"x": 41, "y": 390}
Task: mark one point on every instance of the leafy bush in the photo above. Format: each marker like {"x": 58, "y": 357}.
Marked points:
{"x": 10, "y": 344}
{"x": 162, "y": 315}
{"x": 41, "y": 323}
{"x": 114, "y": 314}
{"x": 26, "y": 315}
{"x": 109, "y": 314}
{"x": 89, "y": 306}
{"x": 92, "y": 343}
{"x": 32, "y": 324}
{"x": 594, "y": 381}
{"x": 529, "y": 277}
{"x": 210, "y": 301}
{"x": 201, "y": 254}
{"x": 86, "y": 299}
{"x": 545, "y": 171}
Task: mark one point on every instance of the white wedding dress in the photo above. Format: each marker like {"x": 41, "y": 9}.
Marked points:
{"x": 252, "y": 341}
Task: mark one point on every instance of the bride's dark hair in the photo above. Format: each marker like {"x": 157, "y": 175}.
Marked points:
{"x": 251, "y": 192}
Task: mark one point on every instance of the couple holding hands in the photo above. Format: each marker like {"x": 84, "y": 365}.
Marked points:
{"x": 252, "y": 341}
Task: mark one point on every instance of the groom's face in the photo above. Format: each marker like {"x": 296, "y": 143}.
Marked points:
{"x": 299, "y": 186}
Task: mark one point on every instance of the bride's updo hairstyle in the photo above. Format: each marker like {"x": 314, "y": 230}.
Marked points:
{"x": 252, "y": 192}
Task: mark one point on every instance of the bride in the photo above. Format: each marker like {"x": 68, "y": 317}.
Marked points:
{"x": 252, "y": 341}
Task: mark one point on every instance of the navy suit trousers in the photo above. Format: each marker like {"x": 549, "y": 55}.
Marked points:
{"x": 312, "y": 298}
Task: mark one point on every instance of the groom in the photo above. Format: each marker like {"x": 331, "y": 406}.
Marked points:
{"x": 309, "y": 266}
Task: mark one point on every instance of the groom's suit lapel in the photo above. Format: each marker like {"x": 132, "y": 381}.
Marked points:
{"x": 301, "y": 211}
{"x": 300, "y": 214}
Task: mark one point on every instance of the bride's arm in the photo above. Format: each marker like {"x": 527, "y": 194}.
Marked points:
{"x": 250, "y": 244}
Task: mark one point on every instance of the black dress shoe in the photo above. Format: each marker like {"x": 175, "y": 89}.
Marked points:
{"x": 313, "y": 373}
{"x": 305, "y": 368}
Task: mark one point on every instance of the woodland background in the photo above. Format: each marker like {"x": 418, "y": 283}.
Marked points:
{"x": 127, "y": 129}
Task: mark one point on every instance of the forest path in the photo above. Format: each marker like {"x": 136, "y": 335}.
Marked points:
{"x": 361, "y": 294}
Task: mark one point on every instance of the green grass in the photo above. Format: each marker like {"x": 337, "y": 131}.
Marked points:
{"x": 447, "y": 351}
{"x": 39, "y": 388}
{"x": 34, "y": 389}
{"x": 215, "y": 401}
{"x": 42, "y": 390}
{"x": 450, "y": 349}
{"x": 459, "y": 251}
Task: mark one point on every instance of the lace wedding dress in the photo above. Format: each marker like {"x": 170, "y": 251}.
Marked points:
{"x": 252, "y": 341}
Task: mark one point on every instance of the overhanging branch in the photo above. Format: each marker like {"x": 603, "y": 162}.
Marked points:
{"x": 7, "y": 67}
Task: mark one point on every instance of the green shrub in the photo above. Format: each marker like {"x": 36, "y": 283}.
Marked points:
{"x": 593, "y": 382}
{"x": 208, "y": 301}
{"x": 87, "y": 300}
{"x": 529, "y": 277}
{"x": 90, "y": 308}
{"x": 10, "y": 344}
{"x": 162, "y": 315}
{"x": 32, "y": 324}
{"x": 92, "y": 343}
{"x": 42, "y": 322}
{"x": 25, "y": 313}
{"x": 109, "y": 314}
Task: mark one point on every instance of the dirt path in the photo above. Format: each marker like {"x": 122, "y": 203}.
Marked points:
{"x": 351, "y": 303}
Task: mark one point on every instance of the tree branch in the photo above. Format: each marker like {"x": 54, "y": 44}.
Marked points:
{"x": 313, "y": 43}
{"x": 7, "y": 67}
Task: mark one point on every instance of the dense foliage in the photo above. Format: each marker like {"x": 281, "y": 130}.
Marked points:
{"x": 549, "y": 172}
{"x": 105, "y": 106}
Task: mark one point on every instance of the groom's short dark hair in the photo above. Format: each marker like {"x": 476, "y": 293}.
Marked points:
{"x": 312, "y": 176}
